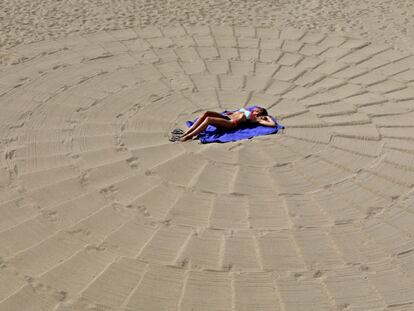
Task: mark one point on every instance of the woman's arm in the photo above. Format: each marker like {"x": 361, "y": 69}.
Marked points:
{"x": 266, "y": 121}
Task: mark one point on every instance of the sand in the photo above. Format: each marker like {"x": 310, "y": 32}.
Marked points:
{"x": 389, "y": 21}
{"x": 99, "y": 211}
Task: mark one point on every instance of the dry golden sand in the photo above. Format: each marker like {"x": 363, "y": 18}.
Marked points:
{"x": 99, "y": 211}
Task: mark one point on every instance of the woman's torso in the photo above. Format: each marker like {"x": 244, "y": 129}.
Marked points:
{"x": 239, "y": 116}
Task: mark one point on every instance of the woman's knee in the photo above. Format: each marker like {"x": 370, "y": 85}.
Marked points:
{"x": 207, "y": 114}
{"x": 204, "y": 115}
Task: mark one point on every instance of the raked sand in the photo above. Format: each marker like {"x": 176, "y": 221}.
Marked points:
{"x": 99, "y": 211}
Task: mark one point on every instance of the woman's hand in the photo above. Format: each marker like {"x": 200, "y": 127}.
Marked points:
{"x": 265, "y": 120}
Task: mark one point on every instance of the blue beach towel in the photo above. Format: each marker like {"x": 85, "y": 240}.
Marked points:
{"x": 248, "y": 130}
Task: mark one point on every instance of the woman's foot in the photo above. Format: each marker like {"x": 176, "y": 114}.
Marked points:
{"x": 184, "y": 138}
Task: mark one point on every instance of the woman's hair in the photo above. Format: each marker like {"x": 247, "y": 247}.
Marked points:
{"x": 262, "y": 112}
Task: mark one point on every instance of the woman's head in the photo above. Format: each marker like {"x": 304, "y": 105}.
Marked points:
{"x": 259, "y": 112}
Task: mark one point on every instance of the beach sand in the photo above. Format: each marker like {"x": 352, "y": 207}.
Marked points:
{"x": 99, "y": 211}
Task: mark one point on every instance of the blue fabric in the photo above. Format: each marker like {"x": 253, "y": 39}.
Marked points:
{"x": 247, "y": 130}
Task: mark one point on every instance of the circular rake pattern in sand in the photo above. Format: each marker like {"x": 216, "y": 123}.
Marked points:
{"x": 99, "y": 211}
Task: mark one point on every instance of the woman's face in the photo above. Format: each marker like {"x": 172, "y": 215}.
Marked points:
{"x": 255, "y": 112}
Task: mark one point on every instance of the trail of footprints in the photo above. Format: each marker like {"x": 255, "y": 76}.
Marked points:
{"x": 98, "y": 211}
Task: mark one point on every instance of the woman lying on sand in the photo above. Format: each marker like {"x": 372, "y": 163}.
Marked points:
{"x": 228, "y": 120}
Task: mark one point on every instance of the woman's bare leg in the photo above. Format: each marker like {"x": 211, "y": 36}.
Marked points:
{"x": 218, "y": 122}
{"x": 201, "y": 119}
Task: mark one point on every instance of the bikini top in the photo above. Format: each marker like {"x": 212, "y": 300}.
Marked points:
{"x": 247, "y": 113}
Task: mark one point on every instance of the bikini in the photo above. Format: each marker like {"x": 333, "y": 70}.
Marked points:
{"x": 247, "y": 113}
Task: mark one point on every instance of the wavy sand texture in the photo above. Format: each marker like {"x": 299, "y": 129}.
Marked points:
{"x": 99, "y": 211}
